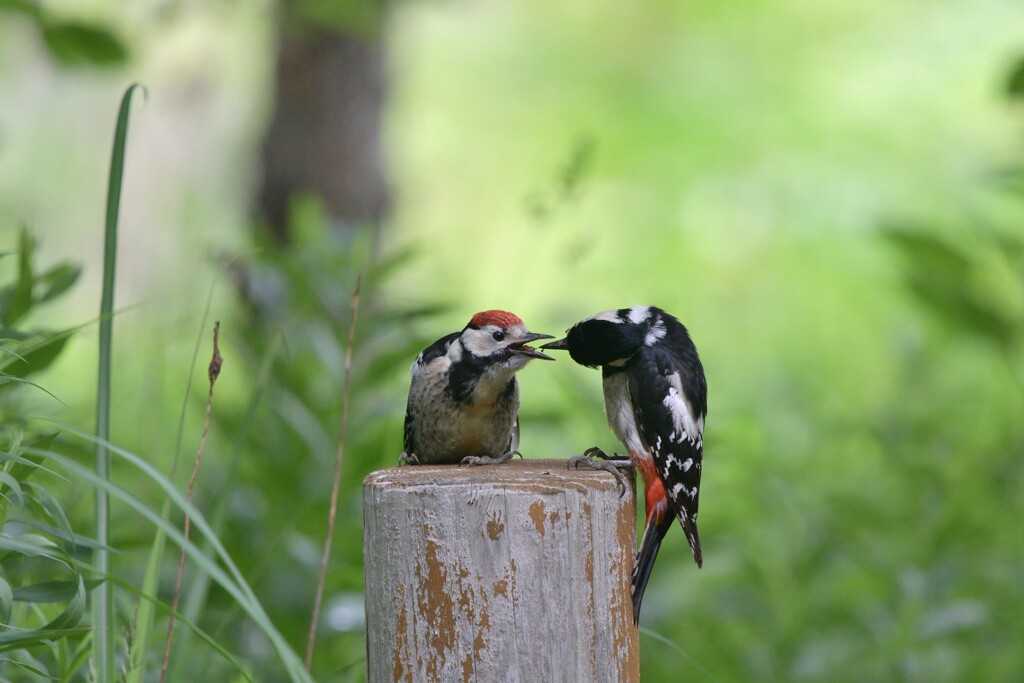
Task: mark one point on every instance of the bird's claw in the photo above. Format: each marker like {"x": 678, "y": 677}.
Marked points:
{"x": 609, "y": 464}
{"x": 473, "y": 460}
{"x": 595, "y": 452}
{"x": 408, "y": 459}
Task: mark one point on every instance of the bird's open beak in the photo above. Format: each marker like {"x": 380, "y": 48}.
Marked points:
{"x": 520, "y": 347}
{"x": 560, "y": 345}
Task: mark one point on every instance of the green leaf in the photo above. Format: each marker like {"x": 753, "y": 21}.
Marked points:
{"x": 72, "y": 539}
{"x": 32, "y": 545}
{"x": 79, "y": 658}
{"x": 31, "y": 668}
{"x": 145, "y": 611}
{"x": 235, "y": 584}
{"x": 6, "y": 601}
{"x": 76, "y": 43}
{"x": 148, "y": 599}
{"x": 47, "y": 592}
{"x": 54, "y": 511}
{"x": 11, "y": 352}
{"x": 25, "y": 465}
{"x": 36, "y": 357}
{"x": 1015, "y": 81}
{"x": 16, "y": 299}
{"x": 15, "y": 639}
{"x": 358, "y": 16}
{"x": 58, "y": 280}
{"x": 7, "y": 380}
{"x": 21, "y": 6}
{"x": 11, "y": 489}
{"x": 939, "y": 273}
{"x": 72, "y": 614}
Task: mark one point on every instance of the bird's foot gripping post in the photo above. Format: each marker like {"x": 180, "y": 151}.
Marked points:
{"x": 485, "y": 460}
{"x": 608, "y": 463}
{"x": 486, "y": 573}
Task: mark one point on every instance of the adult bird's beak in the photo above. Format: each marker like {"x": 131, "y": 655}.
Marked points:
{"x": 560, "y": 345}
{"x": 520, "y": 347}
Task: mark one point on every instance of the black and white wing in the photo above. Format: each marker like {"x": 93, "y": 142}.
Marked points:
{"x": 669, "y": 398}
{"x": 431, "y": 354}
{"x": 435, "y": 350}
{"x": 513, "y": 443}
{"x": 410, "y": 431}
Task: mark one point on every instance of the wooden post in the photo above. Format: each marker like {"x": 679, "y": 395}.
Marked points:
{"x": 514, "y": 572}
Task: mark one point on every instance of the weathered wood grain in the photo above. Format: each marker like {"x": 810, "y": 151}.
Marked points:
{"x": 514, "y": 572}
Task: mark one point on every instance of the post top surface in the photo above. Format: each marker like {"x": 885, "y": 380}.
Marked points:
{"x": 547, "y": 475}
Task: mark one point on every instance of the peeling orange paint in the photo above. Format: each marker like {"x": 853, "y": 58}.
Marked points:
{"x": 436, "y": 608}
{"x": 401, "y": 651}
{"x": 537, "y": 515}
{"x": 478, "y": 645}
{"x": 495, "y": 529}
{"x": 624, "y": 630}
{"x": 454, "y": 611}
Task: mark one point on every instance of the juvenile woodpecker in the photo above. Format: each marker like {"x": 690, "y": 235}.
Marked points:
{"x": 464, "y": 397}
{"x": 655, "y": 397}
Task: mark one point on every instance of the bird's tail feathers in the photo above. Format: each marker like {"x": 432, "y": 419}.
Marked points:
{"x": 693, "y": 538}
{"x": 653, "y": 533}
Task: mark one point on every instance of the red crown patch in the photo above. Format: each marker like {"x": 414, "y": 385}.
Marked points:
{"x": 502, "y": 319}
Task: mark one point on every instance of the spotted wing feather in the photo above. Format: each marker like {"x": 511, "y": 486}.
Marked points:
{"x": 427, "y": 356}
{"x": 513, "y": 443}
{"x": 671, "y": 424}
{"x": 410, "y": 431}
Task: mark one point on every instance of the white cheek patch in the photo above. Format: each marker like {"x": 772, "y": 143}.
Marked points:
{"x": 638, "y": 314}
{"x": 479, "y": 342}
{"x": 455, "y": 352}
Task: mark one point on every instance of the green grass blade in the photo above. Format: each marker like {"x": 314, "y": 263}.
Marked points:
{"x": 103, "y": 596}
{"x": 144, "y": 614}
{"x": 235, "y": 584}
{"x": 199, "y": 586}
{"x": 128, "y": 587}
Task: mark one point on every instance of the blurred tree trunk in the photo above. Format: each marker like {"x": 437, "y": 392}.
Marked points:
{"x": 324, "y": 137}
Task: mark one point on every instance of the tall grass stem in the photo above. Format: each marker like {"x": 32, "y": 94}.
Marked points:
{"x": 103, "y": 594}
{"x": 213, "y": 372}
{"x": 335, "y": 486}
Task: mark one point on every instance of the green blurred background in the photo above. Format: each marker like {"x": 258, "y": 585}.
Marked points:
{"x": 827, "y": 194}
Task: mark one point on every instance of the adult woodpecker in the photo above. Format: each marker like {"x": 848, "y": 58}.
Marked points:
{"x": 464, "y": 397}
{"x": 655, "y": 396}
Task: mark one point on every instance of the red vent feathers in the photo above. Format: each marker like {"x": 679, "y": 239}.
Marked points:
{"x": 502, "y": 319}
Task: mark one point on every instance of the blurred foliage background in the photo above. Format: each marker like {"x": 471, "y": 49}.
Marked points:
{"x": 828, "y": 194}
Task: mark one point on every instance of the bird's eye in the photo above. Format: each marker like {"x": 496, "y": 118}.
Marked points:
{"x": 498, "y": 335}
